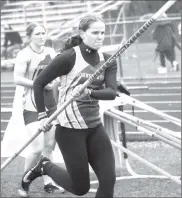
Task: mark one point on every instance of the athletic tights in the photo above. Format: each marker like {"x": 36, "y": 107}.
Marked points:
{"x": 78, "y": 147}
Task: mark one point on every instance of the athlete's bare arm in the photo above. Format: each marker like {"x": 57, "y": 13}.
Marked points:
{"x": 20, "y": 70}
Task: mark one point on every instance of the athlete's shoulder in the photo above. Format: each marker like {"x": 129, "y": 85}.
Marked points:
{"x": 25, "y": 50}
{"x": 68, "y": 53}
{"x": 23, "y": 54}
{"x": 107, "y": 56}
{"x": 50, "y": 51}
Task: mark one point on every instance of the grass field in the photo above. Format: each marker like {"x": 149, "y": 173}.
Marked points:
{"x": 162, "y": 155}
{"x": 139, "y": 60}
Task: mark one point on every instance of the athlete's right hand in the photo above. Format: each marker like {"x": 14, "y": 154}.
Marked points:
{"x": 43, "y": 119}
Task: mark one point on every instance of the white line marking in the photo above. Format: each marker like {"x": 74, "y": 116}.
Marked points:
{"x": 157, "y": 94}
{"x": 164, "y": 88}
{"x": 134, "y": 95}
{"x": 4, "y": 120}
{"x": 7, "y": 97}
{"x": 137, "y": 87}
{"x": 9, "y": 109}
{"x": 129, "y": 87}
{"x": 142, "y": 133}
{"x": 144, "y": 111}
{"x": 152, "y": 77}
{"x": 166, "y": 77}
{"x": 7, "y": 91}
{"x": 129, "y": 132}
{"x": 8, "y": 85}
{"x": 163, "y": 102}
{"x": 164, "y": 81}
{"x": 6, "y": 109}
{"x": 158, "y": 121}
{"x": 6, "y": 104}
{"x": 153, "y": 82}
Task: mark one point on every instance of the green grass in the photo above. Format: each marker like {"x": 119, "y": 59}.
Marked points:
{"x": 162, "y": 155}
{"x": 143, "y": 64}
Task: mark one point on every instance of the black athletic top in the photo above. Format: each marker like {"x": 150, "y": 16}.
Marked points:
{"x": 14, "y": 38}
{"x": 163, "y": 34}
{"x": 74, "y": 67}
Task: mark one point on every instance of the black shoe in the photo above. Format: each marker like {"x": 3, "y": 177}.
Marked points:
{"x": 32, "y": 174}
{"x": 50, "y": 188}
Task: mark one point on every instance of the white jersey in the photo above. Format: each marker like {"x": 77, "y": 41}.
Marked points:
{"x": 83, "y": 113}
{"x": 36, "y": 62}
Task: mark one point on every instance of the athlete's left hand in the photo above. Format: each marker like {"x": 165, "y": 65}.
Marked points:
{"x": 45, "y": 127}
{"x": 79, "y": 95}
{"x": 49, "y": 86}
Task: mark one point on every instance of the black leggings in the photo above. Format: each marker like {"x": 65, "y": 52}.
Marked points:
{"x": 169, "y": 54}
{"x": 78, "y": 147}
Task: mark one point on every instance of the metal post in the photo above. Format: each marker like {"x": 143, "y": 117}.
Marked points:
{"x": 125, "y": 28}
{"x": 137, "y": 55}
{"x": 123, "y": 134}
{"x": 120, "y": 67}
{"x": 118, "y": 19}
{"x": 110, "y": 28}
{"x": 24, "y": 15}
{"x": 89, "y": 7}
{"x": 44, "y": 14}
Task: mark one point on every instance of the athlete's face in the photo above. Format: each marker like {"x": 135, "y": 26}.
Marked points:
{"x": 94, "y": 35}
{"x": 38, "y": 36}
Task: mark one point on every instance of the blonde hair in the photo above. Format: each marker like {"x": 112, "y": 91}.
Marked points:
{"x": 30, "y": 28}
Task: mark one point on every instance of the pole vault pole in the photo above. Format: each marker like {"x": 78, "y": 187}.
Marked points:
{"x": 95, "y": 75}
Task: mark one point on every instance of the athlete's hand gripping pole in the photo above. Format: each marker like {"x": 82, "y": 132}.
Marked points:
{"x": 95, "y": 75}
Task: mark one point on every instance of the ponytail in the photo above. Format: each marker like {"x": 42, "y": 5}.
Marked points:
{"x": 26, "y": 43}
{"x": 84, "y": 24}
{"x": 72, "y": 42}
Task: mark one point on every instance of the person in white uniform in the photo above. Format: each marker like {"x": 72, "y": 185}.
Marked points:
{"x": 29, "y": 63}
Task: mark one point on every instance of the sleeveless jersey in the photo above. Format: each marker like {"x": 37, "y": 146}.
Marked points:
{"x": 35, "y": 64}
{"x": 83, "y": 113}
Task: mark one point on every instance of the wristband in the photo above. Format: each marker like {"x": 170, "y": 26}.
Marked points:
{"x": 89, "y": 91}
{"x": 42, "y": 115}
{"x": 89, "y": 94}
